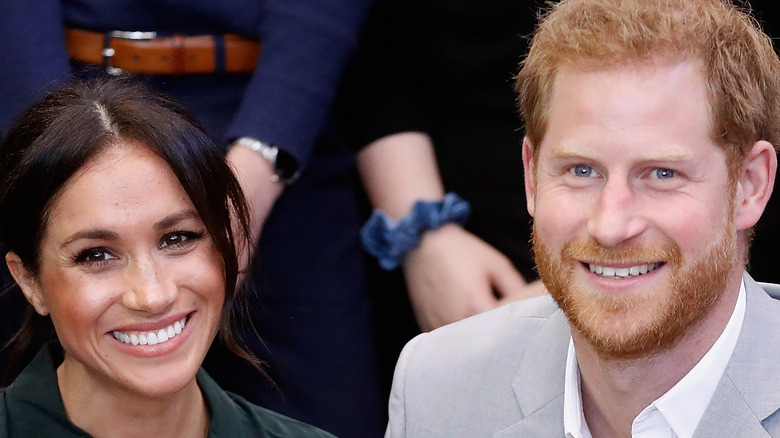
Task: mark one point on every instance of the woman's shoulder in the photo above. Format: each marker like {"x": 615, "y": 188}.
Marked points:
{"x": 32, "y": 405}
{"x": 273, "y": 424}
{"x": 3, "y": 415}
{"x": 234, "y": 416}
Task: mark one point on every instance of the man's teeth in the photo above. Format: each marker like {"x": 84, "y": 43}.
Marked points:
{"x": 150, "y": 338}
{"x": 633, "y": 271}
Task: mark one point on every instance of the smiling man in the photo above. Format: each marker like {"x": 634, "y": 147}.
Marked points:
{"x": 648, "y": 158}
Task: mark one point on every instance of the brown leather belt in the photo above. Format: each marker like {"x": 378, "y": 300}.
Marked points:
{"x": 146, "y": 53}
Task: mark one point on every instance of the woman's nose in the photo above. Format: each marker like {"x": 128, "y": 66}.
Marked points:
{"x": 146, "y": 287}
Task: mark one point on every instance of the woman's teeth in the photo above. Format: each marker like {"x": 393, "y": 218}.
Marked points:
{"x": 632, "y": 271}
{"x": 152, "y": 337}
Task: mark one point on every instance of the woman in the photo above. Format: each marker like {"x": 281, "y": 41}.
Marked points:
{"x": 313, "y": 309}
{"x": 116, "y": 210}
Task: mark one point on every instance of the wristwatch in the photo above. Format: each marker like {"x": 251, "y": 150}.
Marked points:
{"x": 285, "y": 165}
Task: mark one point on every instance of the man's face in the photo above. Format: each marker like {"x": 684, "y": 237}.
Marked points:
{"x": 634, "y": 229}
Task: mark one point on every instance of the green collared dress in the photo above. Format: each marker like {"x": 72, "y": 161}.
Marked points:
{"x": 32, "y": 407}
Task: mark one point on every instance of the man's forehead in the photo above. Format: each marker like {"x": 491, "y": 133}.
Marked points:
{"x": 641, "y": 68}
{"x": 630, "y": 94}
{"x": 634, "y": 101}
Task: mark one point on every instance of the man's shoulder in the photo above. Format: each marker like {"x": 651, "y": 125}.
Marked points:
{"x": 763, "y": 301}
{"x": 503, "y": 320}
{"x": 490, "y": 333}
{"x": 474, "y": 375}
{"x": 773, "y": 290}
{"x": 747, "y": 395}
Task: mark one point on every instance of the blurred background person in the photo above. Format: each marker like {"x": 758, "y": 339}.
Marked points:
{"x": 432, "y": 110}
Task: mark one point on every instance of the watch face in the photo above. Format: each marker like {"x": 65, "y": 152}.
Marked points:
{"x": 286, "y": 166}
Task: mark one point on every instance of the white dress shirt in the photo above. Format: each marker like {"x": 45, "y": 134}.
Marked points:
{"x": 676, "y": 413}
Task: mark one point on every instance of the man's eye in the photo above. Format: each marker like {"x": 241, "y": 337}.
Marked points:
{"x": 663, "y": 173}
{"x": 584, "y": 171}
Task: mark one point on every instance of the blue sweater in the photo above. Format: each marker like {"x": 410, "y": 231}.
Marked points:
{"x": 306, "y": 45}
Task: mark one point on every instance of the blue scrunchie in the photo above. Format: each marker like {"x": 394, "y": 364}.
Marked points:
{"x": 390, "y": 241}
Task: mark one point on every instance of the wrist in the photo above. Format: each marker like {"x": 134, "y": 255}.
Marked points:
{"x": 285, "y": 166}
{"x": 390, "y": 241}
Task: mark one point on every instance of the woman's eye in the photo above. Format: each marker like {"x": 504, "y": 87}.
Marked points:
{"x": 663, "y": 173}
{"x": 584, "y": 171}
{"x": 94, "y": 256}
{"x": 180, "y": 238}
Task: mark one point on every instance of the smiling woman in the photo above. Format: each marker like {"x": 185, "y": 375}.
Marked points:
{"x": 123, "y": 224}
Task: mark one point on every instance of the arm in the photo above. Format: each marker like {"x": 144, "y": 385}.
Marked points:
{"x": 254, "y": 174}
{"x": 452, "y": 274}
{"x": 305, "y": 47}
{"x": 33, "y": 58}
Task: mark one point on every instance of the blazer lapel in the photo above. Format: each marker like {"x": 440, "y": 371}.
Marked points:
{"x": 729, "y": 415}
{"x": 748, "y": 391}
{"x": 538, "y": 384}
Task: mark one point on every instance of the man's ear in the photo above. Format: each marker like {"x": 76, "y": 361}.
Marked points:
{"x": 754, "y": 184}
{"x": 27, "y": 283}
{"x": 529, "y": 174}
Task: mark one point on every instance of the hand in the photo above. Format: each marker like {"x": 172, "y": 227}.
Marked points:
{"x": 530, "y": 290}
{"x": 453, "y": 274}
{"x": 254, "y": 174}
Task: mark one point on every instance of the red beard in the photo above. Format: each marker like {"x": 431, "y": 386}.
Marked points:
{"x": 645, "y": 323}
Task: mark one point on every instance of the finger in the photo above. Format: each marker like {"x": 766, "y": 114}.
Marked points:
{"x": 504, "y": 278}
{"x": 533, "y": 289}
{"x": 467, "y": 299}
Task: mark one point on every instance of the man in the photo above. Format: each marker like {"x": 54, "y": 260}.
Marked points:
{"x": 648, "y": 157}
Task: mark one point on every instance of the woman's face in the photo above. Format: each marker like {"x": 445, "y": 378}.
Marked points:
{"x": 131, "y": 279}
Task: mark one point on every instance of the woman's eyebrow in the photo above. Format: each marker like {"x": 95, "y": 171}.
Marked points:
{"x": 96, "y": 233}
{"x": 175, "y": 218}
{"x": 104, "y": 234}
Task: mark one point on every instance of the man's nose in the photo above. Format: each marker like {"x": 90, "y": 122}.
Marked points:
{"x": 146, "y": 287}
{"x": 617, "y": 216}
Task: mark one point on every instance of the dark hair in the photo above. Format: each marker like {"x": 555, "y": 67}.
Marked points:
{"x": 57, "y": 136}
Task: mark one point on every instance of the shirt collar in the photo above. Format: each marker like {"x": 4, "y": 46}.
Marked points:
{"x": 574, "y": 425}
{"x": 681, "y": 407}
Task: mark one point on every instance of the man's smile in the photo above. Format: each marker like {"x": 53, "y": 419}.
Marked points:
{"x": 623, "y": 272}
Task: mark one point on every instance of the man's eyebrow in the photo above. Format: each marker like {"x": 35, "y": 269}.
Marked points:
{"x": 563, "y": 152}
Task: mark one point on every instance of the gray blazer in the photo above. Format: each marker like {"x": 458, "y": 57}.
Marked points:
{"x": 501, "y": 374}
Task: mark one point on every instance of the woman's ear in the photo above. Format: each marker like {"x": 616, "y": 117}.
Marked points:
{"x": 27, "y": 283}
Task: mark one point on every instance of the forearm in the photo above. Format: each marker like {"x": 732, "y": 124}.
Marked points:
{"x": 305, "y": 47}
{"x": 254, "y": 173}
{"x": 399, "y": 170}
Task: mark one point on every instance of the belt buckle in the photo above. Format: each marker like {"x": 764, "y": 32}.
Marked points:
{"x": 108, "y": 52}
